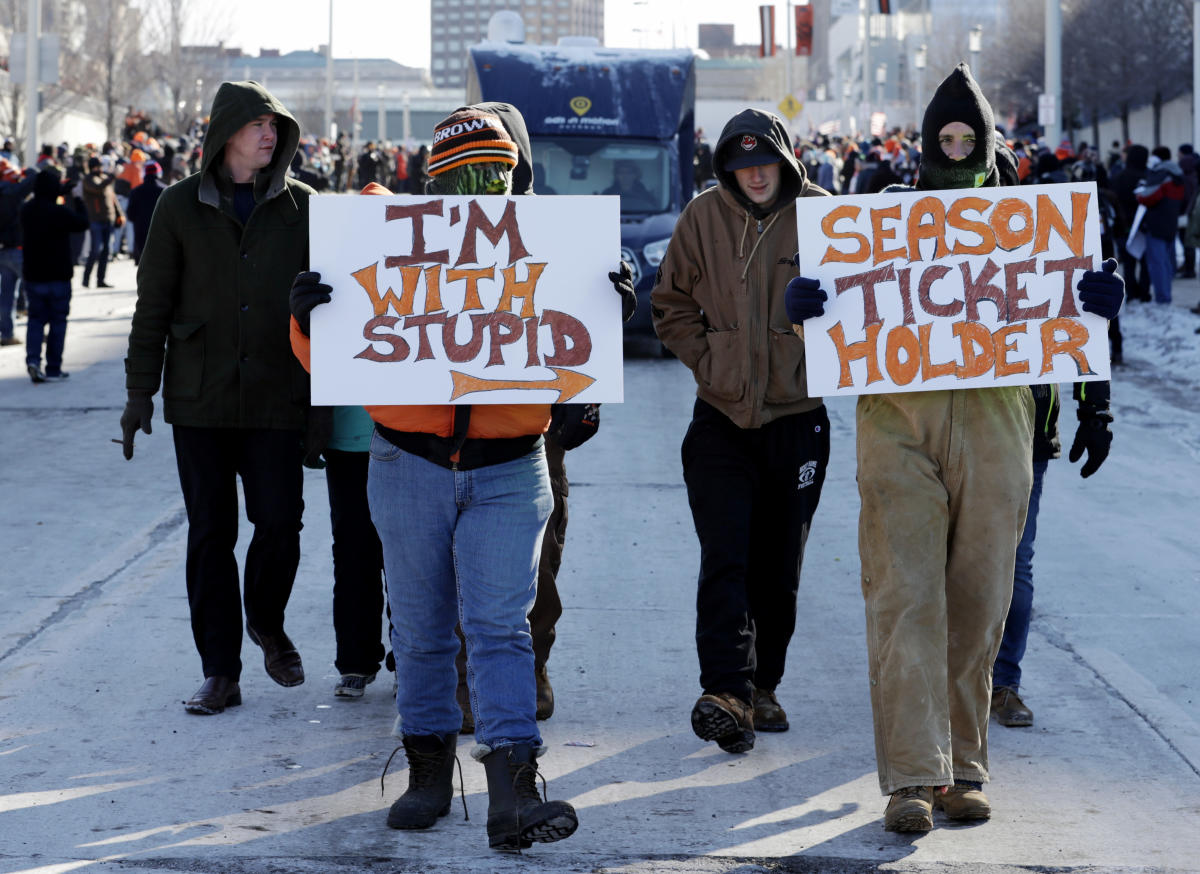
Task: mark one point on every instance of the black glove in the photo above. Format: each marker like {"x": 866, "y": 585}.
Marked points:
{"x": 1101, "y": 291}
{"x": 307, "y": 292}
{"x": 804, "y": 299}
{"x": 139, "y": 409}
{"x": 1092, "y": 437}
{"x": 622, "y": 281}
{"x": 574, "y": 424}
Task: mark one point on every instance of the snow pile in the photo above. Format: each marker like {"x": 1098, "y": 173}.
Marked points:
{"x": 1163, "y": 340}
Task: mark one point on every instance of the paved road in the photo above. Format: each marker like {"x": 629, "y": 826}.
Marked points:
{"x": 102, "y": 771}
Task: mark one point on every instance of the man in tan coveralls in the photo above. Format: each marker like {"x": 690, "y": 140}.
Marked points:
{"x": 944, "y": 478}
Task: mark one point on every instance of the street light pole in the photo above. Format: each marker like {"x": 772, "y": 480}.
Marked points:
{"x": 975, "y": 46}
{"x": 1053, "y": 71}
{"x": 32, "y": 36}
{"x": 329, "y": 77}
{"x": 920, "y": 60}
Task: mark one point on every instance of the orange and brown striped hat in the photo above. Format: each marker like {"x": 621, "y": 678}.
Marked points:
{"x": 470, "y": 136}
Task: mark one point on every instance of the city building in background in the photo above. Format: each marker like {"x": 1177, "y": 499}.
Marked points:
{"x": 456, "y": 25}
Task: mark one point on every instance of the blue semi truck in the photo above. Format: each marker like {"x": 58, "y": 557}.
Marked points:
{"x": 604, "y": 121}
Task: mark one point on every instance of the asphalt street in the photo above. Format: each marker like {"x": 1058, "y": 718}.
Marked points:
{"x": 101, "y": 770}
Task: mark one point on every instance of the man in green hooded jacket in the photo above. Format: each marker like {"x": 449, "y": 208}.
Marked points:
{"x": 211, "y": 328}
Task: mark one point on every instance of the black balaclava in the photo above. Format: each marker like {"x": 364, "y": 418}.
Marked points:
{"x": 958, "y": 98}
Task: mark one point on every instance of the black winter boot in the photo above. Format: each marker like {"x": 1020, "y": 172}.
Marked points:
{"x": 430, "y": 781}
{"x": 517, "y": 815}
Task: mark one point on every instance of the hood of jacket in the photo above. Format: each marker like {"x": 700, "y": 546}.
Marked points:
{"x": 48, "y": 184}
{"x": 1136, "y": 157}
{"x": 235, "y": 106}
{"x": 768, "y": 128}
{"x": 514, "y": 123}
{"x": 958, "y": 98}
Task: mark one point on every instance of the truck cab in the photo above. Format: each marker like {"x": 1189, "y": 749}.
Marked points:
{"x": 604, "y": 121}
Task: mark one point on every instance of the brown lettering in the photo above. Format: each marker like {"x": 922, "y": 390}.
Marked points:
{"x": 503, "y": 328}
{"x": 467, "y": 351}
{"x": 980, "y": 288}
{"x": 424, "y": 350}
{"x": 371, "y": 332}
{"x": 867, "y": 281}
{"x": 566, "y": 329}
{"x": 1068, "y": 266}
{"x": 477, "y": 220}
{"x": 1015, "y": 293}
{"x": 416, "y": 212}
{"x": 929, "y": 277}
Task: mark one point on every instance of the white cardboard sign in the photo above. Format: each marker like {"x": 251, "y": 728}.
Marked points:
{"x": 951, "y": 289}
{"x": 466, "y": 299}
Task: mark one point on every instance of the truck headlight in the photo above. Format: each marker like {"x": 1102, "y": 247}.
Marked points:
{"x": 655, "y": 252}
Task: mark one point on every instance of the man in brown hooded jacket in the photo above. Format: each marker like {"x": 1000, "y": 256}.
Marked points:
{"x": 755, "y": 454}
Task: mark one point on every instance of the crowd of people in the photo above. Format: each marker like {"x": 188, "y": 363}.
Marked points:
{"x": 459, "y": 577}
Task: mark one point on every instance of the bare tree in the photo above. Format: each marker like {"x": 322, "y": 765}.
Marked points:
{"x": 175, "y": 30}
{"x": 101, "y": 53}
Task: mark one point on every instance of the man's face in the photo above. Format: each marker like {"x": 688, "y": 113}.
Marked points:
{"x": 760, "y": 184}
{"x": 253, "y": 145}
{"x": 957, "y": 140}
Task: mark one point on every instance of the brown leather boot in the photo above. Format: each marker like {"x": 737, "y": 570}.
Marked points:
{"x": 545, "y": 693}
{"x": 726, "y": 719}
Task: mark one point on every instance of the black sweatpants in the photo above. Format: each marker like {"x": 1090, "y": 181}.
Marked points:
{"x": 269, "y": 462}
{"x": 753, "y": 493}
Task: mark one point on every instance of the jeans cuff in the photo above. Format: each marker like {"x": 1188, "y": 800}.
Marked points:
{"x": 481, "y": 751}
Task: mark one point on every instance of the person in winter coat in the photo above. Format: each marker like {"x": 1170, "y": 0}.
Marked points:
{"x": 755, "y": 453}
{"x": 211, "y": 327}
{"x": 944, "y": 478}
{"x": 460, "y": 496}
{"x": 14, "y": 189}
{"x": 1125, "y": 181}
{"x": 1093, "y": 439}
{"x": 1162, "y": 193}
{"x": 47, "y": 267}
{"x": 1188, "y": 163}
{"x": 104, "y": 213}
{"x": 142, "y": 201}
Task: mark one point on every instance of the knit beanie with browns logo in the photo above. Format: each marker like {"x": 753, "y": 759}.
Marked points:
{"x": 958, "y": 98}
{"x": 470, "y": 136}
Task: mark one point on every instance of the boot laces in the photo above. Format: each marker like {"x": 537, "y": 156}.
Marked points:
{"x": 422, "y": 768}
{"x": 525, "y": 777}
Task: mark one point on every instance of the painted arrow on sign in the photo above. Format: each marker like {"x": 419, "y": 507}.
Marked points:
{"x": 567, "y": 383}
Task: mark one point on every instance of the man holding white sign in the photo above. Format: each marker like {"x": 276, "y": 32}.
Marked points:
{"x": 945, "y": 476}
{"x": 459, "y": 493}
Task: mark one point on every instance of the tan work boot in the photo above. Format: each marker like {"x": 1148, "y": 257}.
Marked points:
{"x": 545, "y": 693}
{"x": 910, "y": 810}
{"x": 962, "y": 801}
{"x": 768, "y": 715}
{"x": 725, "y": 718}
{"x": 1009, "y": 709}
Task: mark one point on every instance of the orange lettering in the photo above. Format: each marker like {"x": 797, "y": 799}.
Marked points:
{"x": 472, "y": 276}
{"x": 933, "y": 230}
{"x": 956, "y": 219}
{"x": 1077, "y": 335}
{"x": 523, "y": 289}
{"x": 827, "y": 228}
{"x": 929, "y": 370}
{"x": 1049, "y": 218}
{"x": 864, "y": 349}
{"x": 902, "y": 339}
{"x": 977, "y": 351}
{"x": 1003, "y": 347}
{"x": 881, "y": 235}
{"x": 1001, "y": 223}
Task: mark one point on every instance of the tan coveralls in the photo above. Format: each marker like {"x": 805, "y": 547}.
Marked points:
{"x": 944, "y": 478}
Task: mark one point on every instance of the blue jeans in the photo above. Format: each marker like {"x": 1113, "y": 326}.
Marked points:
{"x": 1007, "y": 669}
{"x": 461, "y": 546}
{"x": 1160, "y": 261}
{"x": 98, "y": 233}
{"x": 49, "y": 306}
{"x": 10, "y": 272}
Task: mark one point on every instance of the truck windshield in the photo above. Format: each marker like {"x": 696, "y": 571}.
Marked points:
{"x": 639, "y": 173}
